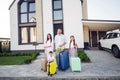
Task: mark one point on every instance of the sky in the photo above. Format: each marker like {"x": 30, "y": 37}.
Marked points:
{"x": 97, "y": 9}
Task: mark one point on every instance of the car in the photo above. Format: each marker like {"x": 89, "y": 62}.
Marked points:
{"x": 111, "y": 41}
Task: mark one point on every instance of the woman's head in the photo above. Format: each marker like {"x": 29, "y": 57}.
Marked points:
{"x": 49, "y": 37}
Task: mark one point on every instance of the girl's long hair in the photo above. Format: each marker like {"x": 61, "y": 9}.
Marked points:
{"x": 48, "y": 38}
{"x": 73, "y": 40}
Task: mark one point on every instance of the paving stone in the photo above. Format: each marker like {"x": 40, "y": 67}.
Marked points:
{"x": 103, "y": 66}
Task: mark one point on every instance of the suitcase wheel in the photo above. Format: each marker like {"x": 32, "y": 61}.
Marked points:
{"x": 55, "y": 72}
{"x": 41, "y": 69}
{"x": 50, "y": 75}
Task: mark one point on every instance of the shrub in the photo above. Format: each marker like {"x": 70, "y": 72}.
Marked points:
{"x": 83, "y": 56}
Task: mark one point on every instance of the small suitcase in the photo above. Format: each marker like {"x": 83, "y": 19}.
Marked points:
{"x": 75, "y": 64}
{"x": 63, "y": 60}
{"x": 51, "y": 68}
{"x": 43, "y": 62}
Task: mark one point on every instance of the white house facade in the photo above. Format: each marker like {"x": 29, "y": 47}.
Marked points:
{"x": 32, "y": 20}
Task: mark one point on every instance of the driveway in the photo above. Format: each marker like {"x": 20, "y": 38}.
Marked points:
{"x": 103, "y": 66}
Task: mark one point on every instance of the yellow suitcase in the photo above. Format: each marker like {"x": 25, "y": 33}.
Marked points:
{"x": 51, "y": 68}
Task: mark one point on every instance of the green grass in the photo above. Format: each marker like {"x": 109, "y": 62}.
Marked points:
{"x": 17, "y": 58}
{"x": 14, "y": 60}
{"x": 83, "y": 56}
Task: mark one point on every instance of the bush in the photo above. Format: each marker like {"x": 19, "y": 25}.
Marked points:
{"x": 32, "y": 54}
{"x": 24, "y": 57}
{"x": 83, "y": 56}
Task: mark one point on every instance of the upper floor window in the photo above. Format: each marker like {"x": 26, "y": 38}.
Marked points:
{"x": 27, "y": 11}
{"x": 57, "y": 9}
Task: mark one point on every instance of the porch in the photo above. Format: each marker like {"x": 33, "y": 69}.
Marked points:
{"x": 94, "y": 30}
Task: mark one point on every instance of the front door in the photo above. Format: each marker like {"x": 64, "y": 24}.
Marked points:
{"x": 94, "y": 38}
{"x": 57, "y": 26}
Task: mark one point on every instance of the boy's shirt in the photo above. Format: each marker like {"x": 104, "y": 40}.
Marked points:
{"x": 51, "y": 58}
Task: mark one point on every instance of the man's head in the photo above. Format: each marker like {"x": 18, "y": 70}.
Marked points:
{"x": 59, "y": 31}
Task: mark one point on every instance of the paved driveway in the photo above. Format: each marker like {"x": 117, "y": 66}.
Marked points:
{"x": 103, "y": 65}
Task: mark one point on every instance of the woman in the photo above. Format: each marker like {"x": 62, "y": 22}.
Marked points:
{"x": 48, "y": 44}
{"x": 73, "y": 47}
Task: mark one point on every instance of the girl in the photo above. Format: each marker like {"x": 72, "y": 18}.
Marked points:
{"x": 48, "y": 45}
{"x": 73, "y": 47}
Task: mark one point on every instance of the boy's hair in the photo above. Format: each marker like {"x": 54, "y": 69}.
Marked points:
{"x": 50, "y": 52}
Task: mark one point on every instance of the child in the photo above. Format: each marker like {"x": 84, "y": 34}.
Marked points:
{"x": 51, "y": 57}
{"x": 73, "y": 47}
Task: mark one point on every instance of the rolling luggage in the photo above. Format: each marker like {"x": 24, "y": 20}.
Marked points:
{"x": 63, "y": 60}
{"x": 43, "y": 62}
{"x": 75, "y": 64}
{"x": 51, "y": 68}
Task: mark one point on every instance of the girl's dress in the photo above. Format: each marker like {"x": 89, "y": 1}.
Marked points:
{"x": 73, "y": 50}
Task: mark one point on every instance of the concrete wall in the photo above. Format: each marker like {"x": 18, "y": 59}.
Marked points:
{"x": 72, "y": 13}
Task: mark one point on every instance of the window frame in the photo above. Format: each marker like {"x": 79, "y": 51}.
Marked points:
{"x": 59, "y": 9}
{"x": 27, "y": 13}
{"x": 28, "y": 34}
{"x": 27, "y": 24}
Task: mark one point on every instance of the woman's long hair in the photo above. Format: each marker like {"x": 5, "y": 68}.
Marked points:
{"x": 48, "y": 38}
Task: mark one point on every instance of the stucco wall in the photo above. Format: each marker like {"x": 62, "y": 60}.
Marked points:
{"x": 71, "y": 20}
{"x": 72, "y": 13}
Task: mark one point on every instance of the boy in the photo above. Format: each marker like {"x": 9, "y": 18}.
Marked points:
{"x": 51, "y": 57}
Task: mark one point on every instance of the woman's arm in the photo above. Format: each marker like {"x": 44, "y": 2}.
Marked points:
{"x": 76, "y": 46}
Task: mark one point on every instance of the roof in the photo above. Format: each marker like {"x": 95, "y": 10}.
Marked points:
{"x": 101, "y": 25}
{"x": 15, "y": 0}
{"x": 11, "y": 4}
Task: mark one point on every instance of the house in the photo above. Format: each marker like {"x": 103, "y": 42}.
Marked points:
{"x": 32, "y": 20}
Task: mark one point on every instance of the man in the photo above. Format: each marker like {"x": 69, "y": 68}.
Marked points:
{"x": 60, "y": 40}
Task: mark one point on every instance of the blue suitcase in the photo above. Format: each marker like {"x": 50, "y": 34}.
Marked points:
{"x": 63, "y": 60}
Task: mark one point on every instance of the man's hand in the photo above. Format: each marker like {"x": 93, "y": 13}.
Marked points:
{"x": 60, "y": 45}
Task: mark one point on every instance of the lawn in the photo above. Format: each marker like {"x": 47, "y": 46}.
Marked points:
{"x": 14, "y": 60}
{"x": 17, "y": 58}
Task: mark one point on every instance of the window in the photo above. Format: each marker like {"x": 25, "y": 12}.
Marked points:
{"x": 24, "y": 36}
{"x": 31, "y": 6}
{"x": 114, "y": 35}
{"x": 27, "y": 11}
{"x": 57, "y": 9}
{"x": 32, "y": 17}
{"x": 28, "y": 35}
{"x": 27, "y": 21}
{"x": 57, "y": 4}
{"x": 23, "y": 7}
{"x": 33, "y": 34}
{"x": 23, "y": 18}
{"x": 58, "y": 15}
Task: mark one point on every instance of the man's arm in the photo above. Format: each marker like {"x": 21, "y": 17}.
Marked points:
{"x": 63, "y": 44}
